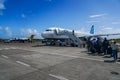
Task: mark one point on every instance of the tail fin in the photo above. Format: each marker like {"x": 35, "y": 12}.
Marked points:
{"x": 31, "y": 37}
{"x": 92, "y": 30}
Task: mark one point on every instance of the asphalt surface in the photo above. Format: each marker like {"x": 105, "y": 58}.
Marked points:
{"x": 32, "y": 61}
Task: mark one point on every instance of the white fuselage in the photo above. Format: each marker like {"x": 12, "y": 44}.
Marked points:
{"x": 52, "y": 33}
{"x": 59, "y": 33}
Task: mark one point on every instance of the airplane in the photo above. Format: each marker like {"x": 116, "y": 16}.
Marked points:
{"x": 21, "y": 40}
{"x": 56, "y": 33}
{"x": 64, "y": 36}
{"x": 61, "y": 34}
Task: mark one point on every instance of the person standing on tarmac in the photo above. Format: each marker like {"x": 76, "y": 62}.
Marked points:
{"x": 105, "y": 45}
{"x": 73, "y": 32}
{"x": 114, "y": 50}
{"x": 98, "y": 45}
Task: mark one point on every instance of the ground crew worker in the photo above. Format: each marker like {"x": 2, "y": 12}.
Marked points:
{"x": 114, "y": 50}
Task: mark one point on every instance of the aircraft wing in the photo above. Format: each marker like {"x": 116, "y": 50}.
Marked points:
{"x": 104, "y": 34}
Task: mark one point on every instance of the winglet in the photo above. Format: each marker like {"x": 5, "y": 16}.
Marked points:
{"x": 92, "y": 30}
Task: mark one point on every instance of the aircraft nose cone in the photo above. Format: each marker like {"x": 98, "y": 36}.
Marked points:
{"x": 47, "y": 35}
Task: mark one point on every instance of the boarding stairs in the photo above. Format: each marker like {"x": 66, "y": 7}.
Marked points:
{"x": 75, "y": 40}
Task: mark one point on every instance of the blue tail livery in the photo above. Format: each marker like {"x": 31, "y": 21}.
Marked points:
{"x": 92, "y": 30}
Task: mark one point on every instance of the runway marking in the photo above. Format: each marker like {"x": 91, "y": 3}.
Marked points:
{"x": 58, "y": 77}
{"x": 9, "y": 48}
{"x": 23, "y": 63}
{"x": 6, "y": 48}
{"x": 13, "y": 48}
{"x": 4, "y": 56}
{"x": 118, "y": 62}
{"x": 91, "y": 59}
{"x": 64, "y": 55}
{"x": 96, "y": 59}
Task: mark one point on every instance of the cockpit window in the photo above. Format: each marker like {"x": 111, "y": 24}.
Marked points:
{"x": 48, "y": 30}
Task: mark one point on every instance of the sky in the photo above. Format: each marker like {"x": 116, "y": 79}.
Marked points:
{"x": 21, "y": 18}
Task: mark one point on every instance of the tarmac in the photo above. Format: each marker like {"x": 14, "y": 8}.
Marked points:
{"x": 34, "y": 61}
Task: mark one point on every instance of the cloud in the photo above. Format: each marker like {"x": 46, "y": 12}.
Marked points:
{"x": 107, "y": 28}
{"x": 92, "y": 21}
{"x": 97, "y": 15}
{"x": 2, "y": 6}
{"x": 1, "y": 28}
{"x": 26, "y": 32}
{"x": 23, "y": 15}
{"x": 82, "y": 31}
{"x": 115, "y": 22}
{"x": 1, "y": 13}
{"x": 8, "y": 31}
{"x": 49, "y": 0}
